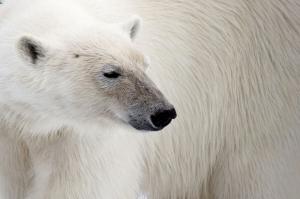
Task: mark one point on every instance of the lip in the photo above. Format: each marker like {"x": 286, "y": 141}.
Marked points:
{"x": 145, "y": 125}
{"x": 142, "y": 125}
{"x": 145, "y": 128}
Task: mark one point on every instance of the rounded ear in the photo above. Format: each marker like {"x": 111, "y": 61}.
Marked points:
{"x": 132, "y": 26}
{"x": 31, "y": 49}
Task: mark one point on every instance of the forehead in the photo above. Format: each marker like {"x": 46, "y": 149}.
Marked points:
{"x": 107, "y": 49}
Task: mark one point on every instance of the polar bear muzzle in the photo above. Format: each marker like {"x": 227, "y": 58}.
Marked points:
{"x": 149, "y": 110}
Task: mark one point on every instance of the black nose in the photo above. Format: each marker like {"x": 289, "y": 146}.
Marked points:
{"x": 163, "y": 117}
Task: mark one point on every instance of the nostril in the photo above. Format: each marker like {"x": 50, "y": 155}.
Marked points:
{"x": 162, "y": 118}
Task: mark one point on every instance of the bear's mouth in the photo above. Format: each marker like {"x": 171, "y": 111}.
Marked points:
{"x": 137, "y": 124}
{"x": 143, "y": 125}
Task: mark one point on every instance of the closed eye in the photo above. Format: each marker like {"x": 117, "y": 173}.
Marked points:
{"x": 112, "y": 74}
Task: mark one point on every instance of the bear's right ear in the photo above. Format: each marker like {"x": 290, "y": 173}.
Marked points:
{"x": 132, "y": 26}
{"x": 31, "y": 50}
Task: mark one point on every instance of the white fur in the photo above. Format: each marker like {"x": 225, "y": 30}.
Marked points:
{"x": 232, "y": 70}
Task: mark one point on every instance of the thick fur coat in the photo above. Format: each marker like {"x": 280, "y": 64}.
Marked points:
{"x": 232, "y": 70}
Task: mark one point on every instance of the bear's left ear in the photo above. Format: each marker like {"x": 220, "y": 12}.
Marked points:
{"x": 132, "y": 26}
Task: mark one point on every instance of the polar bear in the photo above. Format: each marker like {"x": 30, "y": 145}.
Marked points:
{"x": 231, "y": 68}
{"x": 70, "y": 85}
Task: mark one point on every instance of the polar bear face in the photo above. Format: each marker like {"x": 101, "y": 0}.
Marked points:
{"x": 93, "y": 74}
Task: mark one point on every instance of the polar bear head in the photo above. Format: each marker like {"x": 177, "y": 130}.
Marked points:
{"x": 91, "y": 74}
